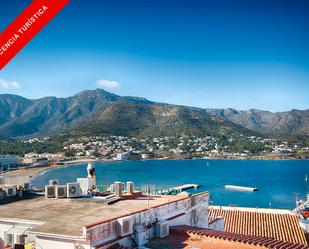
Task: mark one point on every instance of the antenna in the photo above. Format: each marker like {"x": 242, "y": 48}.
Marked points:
{"x": 148, "y": 193}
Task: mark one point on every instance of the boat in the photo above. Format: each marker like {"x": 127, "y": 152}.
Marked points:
{"x": 302, "y": 208}
{"x": 305, "y": 211}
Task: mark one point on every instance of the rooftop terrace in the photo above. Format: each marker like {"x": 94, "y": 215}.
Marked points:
{"x": 68, "y": 216}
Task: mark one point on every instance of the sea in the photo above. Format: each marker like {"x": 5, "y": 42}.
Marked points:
{"x": 279, "y": 182}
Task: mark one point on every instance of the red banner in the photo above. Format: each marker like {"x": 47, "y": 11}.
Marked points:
{"x": 26, "y": 26}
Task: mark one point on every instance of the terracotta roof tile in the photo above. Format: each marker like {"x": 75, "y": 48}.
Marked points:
{"x": 281, "y": 226}
{"x": 258, "y": 241}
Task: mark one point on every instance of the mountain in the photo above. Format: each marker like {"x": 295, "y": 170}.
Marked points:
{"x": 155, "y": 119}
{"x": 294, "y": 122}
{"x": 101, "y": 112}
{"x": 12, "y": 106}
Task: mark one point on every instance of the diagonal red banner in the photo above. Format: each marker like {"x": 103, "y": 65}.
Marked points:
{"x": 26, "y": 26}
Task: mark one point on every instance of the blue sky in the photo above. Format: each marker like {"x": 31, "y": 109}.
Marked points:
{"x": 217, "y": 54}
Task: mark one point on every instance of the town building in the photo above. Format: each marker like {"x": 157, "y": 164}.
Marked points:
{"x": 8, "y": 162}
{"x": 122, "y": 156}
{"x": 44, "y": 158}
{"x": 89, "y": 223}
{"x": 35, "y": 160}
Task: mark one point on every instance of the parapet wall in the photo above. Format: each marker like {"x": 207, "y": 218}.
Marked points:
{"x": 191, "y": 210}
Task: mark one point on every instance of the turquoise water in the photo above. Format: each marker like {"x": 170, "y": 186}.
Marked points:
{"x": 278, "y": 181}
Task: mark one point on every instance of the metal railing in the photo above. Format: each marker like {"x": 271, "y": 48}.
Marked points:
{"x": 147, "y": 189}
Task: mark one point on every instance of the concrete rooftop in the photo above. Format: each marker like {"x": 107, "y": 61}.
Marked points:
{"x": 68, "y": 216}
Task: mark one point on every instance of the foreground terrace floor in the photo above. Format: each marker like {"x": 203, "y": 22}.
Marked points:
{"x": 68, "y": 216}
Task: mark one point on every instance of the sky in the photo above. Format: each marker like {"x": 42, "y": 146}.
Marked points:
{"x": 212, "y": 54}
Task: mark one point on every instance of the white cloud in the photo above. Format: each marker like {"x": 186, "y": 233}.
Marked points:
{"x": 108, "y": 84}
{"x": 6, "y": 84}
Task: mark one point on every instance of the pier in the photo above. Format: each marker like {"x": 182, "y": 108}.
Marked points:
{"x": 240, "y": 188}
{"x": 186, "y": 187}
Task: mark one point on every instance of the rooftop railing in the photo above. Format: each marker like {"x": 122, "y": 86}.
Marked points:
{"x": 147, "y": 189}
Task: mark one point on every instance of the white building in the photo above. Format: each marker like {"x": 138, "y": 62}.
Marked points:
{"x": 145, "y": 156}
{"x": 7, "y": 162}
{"x": 88, "y": 224}
{"x": 122, "y": 156}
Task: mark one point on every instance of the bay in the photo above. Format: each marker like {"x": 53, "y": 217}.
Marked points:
{"x": 278, "y": 181}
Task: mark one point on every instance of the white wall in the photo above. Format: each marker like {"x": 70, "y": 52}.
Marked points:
{"x": 178, "y": 221}
{"x": 195, "y": 209}
{"x": 217, "y": 224}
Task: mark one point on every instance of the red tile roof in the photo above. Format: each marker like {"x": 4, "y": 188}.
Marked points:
{"x": 180, "y": 239}
{"x": 258, "y": 241}
{"x": 282, "y": 226}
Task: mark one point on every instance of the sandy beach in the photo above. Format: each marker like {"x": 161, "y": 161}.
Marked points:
{"x": 15, "y": 177}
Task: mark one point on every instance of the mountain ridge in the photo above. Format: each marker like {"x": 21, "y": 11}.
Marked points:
{"x": 101, "y": 112}
{"x": 295, "y": 122}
